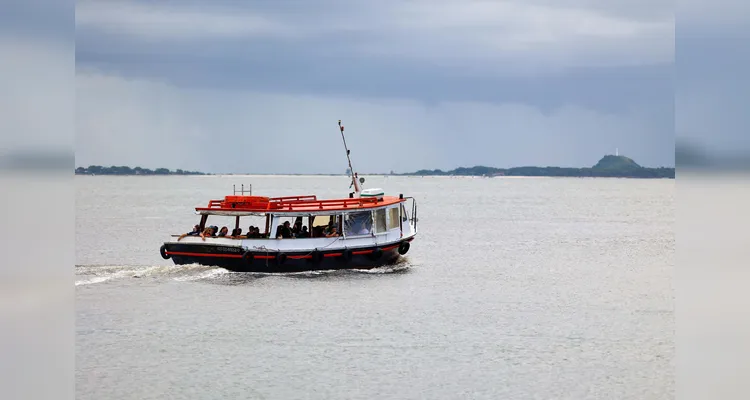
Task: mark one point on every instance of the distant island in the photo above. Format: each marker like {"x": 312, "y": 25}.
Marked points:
{"x": 610, "y": 166}
{"x": 99, "y": 170}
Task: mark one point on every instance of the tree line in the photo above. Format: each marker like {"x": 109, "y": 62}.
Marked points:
{"x": 123, "y": 170}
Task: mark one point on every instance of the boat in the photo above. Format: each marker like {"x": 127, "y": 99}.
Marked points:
{"x": 367, "y": 229}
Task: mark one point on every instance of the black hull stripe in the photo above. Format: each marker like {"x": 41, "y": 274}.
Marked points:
{"x": 291, "y": 265}
{"x": 295, "y": 254}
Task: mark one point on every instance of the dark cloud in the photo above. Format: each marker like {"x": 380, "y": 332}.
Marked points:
{"x": 485, "y": 82}
{"x": 711, "y": 84}
{"x": 40, "y": 19}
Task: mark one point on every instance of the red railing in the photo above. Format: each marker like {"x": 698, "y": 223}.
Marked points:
{"x": 310, "y": 205}
{"x": 294, "y": 198}
{"x": 287, "y": 203}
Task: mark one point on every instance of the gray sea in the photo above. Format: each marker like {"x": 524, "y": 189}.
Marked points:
{"x": 515, "y": 288}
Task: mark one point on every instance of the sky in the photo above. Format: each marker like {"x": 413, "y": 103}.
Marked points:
{"x": 258, "y": 86}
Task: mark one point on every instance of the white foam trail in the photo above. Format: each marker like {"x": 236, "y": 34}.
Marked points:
{"x": 195, "y": 272}
{"x": 204, "y": 275}
{"x": 182, "y": 272}
{"x": 98, "y": 279}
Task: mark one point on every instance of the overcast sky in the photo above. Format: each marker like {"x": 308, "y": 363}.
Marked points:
{"x": 258, "y": 86}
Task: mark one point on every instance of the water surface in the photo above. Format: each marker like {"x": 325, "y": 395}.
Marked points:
{"x": 516, "y": 288}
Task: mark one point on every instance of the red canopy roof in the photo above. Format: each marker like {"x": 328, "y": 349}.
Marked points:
{"x": 296, "y": 204}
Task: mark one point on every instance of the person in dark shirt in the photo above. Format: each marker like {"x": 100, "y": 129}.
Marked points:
{"x": 303, "y": 234}
{"x": 284, "y": 231}
{"x": 195, "y": 232}
{"x": 318, "y": 231}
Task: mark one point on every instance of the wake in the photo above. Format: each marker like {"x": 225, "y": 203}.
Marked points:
{"x": 98, "y": 274}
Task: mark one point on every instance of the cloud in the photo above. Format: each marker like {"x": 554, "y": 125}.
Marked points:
{"x": 251, "y": 86}
{"x": 37, "y": 101}
{"x": 172, "y": 22}
{"x": 151, "y": 124}
{"x": 507, "y": 31}
{"x": 484, "y": 36}
{"x": 721, "y": 15}
{"x": 711, "y": 75}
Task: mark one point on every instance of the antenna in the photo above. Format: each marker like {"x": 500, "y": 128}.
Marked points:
{"x": 353, "y": 174}
{"x": 617, "y": 152}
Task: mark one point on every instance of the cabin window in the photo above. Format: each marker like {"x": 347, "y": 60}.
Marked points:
{"x": 299, "y": 226}
{"x": 393, "y": 218}
{"x": 319, "y": 224}
{"x": 358, "y": 223}
{"x": 231, "y": 223}
{"x": 380, "y": 223}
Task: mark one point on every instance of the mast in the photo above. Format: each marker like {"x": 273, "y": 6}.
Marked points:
{"x": 357, "y": 188}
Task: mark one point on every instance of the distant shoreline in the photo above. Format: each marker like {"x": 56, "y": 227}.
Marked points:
{"x": 127, "y": 171}
{"x": 610, "y": 166}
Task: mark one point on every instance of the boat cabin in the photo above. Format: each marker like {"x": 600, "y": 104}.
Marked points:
{"x": 307, "y": 217}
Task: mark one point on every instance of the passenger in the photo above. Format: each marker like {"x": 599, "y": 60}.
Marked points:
{"x": 236, "y": 233}
{"x": 318, "y": 232}
{"x": 329, "y": 228}
{"x": 223, "y": 232}
{"x": 303, "y": 234}
{"x": 258, "y": 234}
{"x": 214, "y": 230}
{"x": 287, "y": 230}
{"x": 208, "y": 232}
{"x": 297, "y": 228}
{"x": 333, "y": 233}
{"x": 195, "y": 232}
{"x": 250, "y": 232}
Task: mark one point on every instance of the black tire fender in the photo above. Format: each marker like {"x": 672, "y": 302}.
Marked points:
{"x": 163, "y": 251}
{"x": 280, "y": 258}
{"x": 403, "y": 248}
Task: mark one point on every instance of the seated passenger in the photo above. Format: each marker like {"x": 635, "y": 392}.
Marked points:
{"x": 284, "y": 231}
{"x": 195, "y": 232}
{"x": 333, "y": 232}
{"x": 208, "y": 232}
{"x": 236, "y": 233}
{"x": 329, "y": 228}
{"x": 250, "y": 232}
{"x": 297, "y": 228}
{"x": 317, "y": 232}
{"x": 303, "y": 234}
{"x": 224, "y": 231}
